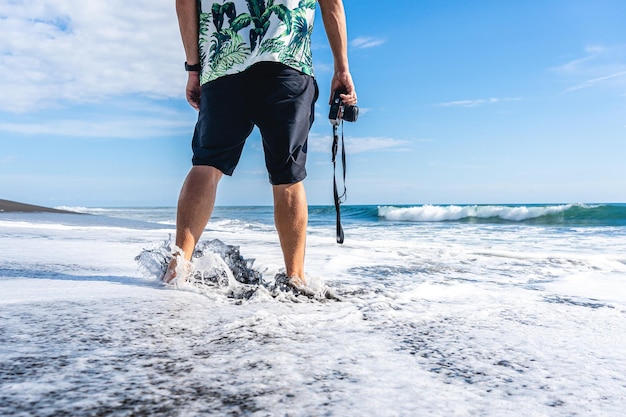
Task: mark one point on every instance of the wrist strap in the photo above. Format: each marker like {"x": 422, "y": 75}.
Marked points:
{"x": 339, "y": 198}
{"x": 194, "y": 67}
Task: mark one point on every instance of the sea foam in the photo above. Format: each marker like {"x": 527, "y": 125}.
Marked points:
{"x": 431, "y": 213}
{"x": 491, "y": 319}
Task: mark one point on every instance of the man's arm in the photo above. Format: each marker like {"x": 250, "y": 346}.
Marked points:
{"x": 187, "y": 12}
{"x": 334, "y": 18}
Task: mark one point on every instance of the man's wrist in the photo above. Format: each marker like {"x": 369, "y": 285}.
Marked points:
{"x": 342, "y": 69}
{"x": 192, "y": 67}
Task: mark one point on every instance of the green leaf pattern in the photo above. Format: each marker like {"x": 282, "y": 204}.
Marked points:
{"x": 239, "y": 33}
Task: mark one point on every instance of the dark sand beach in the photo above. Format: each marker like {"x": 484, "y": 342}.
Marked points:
{"x": 8, "y": 206}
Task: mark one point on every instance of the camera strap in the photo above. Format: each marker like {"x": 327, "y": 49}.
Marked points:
{"x": 339, "y": 198}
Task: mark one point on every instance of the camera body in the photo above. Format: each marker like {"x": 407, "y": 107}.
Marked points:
{"x": 339, "y": 111}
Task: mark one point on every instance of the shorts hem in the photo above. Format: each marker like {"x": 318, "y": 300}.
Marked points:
{"x": 216, "y": 166}
{"x": 286, "y": 181}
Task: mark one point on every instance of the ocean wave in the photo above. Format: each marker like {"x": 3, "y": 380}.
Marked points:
{"x": 245, "y": 218}
{"x": 75, "y": 209}
{"x": 551, "y": 214}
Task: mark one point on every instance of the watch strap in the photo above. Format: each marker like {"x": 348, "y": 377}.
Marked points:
{"x": 194, "y": 67}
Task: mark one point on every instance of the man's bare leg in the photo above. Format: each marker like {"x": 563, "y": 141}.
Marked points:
{"x": 291, "y": 217}
{"x": 195, "y": 206}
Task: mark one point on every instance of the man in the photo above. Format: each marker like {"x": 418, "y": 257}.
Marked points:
{"x": 249, "y": 63}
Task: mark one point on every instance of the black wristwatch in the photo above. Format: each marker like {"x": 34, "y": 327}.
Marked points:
{"x": 195, "y": 67}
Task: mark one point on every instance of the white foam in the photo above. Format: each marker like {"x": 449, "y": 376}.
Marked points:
{"x": 437, "y": 319}
{"x": 79, "y": 209}
{"x": 430, "y": 213}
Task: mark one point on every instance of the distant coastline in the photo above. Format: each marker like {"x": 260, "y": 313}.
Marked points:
{"x": 7, "y": 206}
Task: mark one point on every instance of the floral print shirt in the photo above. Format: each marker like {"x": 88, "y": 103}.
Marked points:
{"x": 236, "y": 34}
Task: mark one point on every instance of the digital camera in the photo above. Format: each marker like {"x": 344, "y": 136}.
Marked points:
{"x": 339, "y": 111}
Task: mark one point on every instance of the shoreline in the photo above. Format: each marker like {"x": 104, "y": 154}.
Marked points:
{"x": 7, "y": 206}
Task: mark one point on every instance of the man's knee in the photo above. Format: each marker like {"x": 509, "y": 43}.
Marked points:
{"x": 289, "y": 189}
{"x": 207, "y": 172}
{"x": 290, "y": 197}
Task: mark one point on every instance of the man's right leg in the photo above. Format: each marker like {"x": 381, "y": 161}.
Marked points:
{"x": 195, "y": 206}
{"x": 291, "y": 215}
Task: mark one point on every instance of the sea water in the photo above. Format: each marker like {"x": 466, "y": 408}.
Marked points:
{"x": 445, "y": 311}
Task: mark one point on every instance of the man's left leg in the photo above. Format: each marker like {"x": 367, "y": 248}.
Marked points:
{"x": 284, "y": 108}
{"x": 195, "y": 206}
{"x": 291, "y": 214}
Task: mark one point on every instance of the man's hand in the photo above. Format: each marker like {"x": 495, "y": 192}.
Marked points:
{"x": 343, "y": 80}
{"x": 194, "y": 90}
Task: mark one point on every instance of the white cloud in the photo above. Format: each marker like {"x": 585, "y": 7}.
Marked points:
{"x": 79, "y": 51}
{"x": 595, "y": 81}
{"x": 575, "y": 65}
{"x": 130, "y": 128}
{"x": 476, "y": 103}
{"x": 601, "y": 66}
{"x": 363, "y": 42}
{"x": 354, "y": 145}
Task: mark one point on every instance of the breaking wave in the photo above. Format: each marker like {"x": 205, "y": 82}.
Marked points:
{"x": 564, "y": 214}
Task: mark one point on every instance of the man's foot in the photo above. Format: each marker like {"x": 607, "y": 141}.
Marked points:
{"x": 170, "y": 272}
{"x": 295, "y": 285}
{"x": 177, "y": 269}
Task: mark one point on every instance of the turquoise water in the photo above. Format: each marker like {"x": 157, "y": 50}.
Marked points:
{"x": 567, "y": 215}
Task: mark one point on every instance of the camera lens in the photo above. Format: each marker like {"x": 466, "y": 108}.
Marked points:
{"x": 350, "y": 113}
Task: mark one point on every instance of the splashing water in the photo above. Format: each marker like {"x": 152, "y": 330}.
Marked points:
{"x": 217, "y": 266}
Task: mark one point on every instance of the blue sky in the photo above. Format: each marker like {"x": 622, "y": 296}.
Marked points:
{"x": 462, "y": 102}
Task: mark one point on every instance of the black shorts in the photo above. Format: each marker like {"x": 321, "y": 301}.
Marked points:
{"x": 278, "y": 99}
